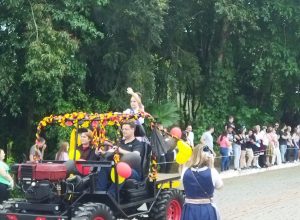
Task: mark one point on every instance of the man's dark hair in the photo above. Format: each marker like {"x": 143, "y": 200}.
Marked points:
{"x": 130, "y": 123}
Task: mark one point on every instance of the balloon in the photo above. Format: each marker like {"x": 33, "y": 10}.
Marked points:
{"x": 124, "y": 170}
{"x": 184, "y": 148}
{"x": 112, "y": 176}
{"x": 82, "y": 169}
{"x": 70, "y": 165}
{"x": 133, "y": 160}
{"x": 184, "y": 152}
{"x": 176, "y": 132}
{"x": 171, "y": 143}
{"x": 180, "y": 159}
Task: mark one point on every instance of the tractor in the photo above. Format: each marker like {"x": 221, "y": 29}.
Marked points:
{"x": 61, "y": 190}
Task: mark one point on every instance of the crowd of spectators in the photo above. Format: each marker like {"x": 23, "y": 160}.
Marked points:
{"x": 256, "y": 147}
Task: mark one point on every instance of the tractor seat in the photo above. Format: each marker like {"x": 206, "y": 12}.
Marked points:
{"x": 145, "y": 164}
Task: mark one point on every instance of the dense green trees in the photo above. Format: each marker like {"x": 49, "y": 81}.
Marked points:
{"x": 211, "y": 58}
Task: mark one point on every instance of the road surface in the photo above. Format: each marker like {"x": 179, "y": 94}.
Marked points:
{"x": 270, "y": 195}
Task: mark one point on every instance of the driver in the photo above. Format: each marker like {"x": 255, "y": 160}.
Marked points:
{"x": 131, "y": 149}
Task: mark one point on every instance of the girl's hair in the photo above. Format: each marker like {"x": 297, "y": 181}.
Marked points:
{"x": 63, "y": 147}
{"x": 224, "y": 134}
{"x": 200, "y": 158}
{"x": 139, "y": 94}
{"x": 89, "y": 134}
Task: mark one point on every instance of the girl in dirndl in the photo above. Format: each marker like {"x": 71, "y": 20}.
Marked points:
{"x": 200, "y": 179}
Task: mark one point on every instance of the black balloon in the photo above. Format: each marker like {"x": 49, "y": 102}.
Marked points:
{"x": 71, "y": 167}
{"x": 133, "y": 160}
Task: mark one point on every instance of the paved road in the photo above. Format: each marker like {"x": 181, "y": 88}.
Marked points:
{"x": 271, "y": 195}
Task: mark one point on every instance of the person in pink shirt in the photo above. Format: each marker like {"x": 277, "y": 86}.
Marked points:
{"x": 224, "y": 144}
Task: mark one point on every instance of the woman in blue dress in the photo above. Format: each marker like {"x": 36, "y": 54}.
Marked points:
{"x": 199, "y": 181}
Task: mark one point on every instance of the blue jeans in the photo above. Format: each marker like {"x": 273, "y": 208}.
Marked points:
{"x": 104, "y": 183}
{"x": 282, "y": 152}
{"x": 296, "y": 151}
{"x": 237, "y": 155}
{"x": 224, "y": 159}
{"x": 113, "y": 187}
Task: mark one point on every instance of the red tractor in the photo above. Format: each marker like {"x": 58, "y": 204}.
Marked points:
{"x": 59, "y": 190}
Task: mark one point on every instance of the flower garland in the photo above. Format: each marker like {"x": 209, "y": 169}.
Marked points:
{"x": 95, "y": 120}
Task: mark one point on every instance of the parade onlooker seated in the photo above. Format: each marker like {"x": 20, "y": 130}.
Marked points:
{"x": 62, "y": 153}
{"x": 86, "y": 149}
{"x": 36, "y": 153}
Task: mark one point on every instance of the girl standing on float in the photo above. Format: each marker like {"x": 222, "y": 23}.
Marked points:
{"x": 200, "y": 180}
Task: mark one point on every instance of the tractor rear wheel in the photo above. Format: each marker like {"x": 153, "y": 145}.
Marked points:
{"x": 168, "y": 205}
{"x": 93, "y": 211}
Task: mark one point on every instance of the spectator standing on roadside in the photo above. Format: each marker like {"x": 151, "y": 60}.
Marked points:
{"x": 249, "y": 141}
{"x": 256, "y": 146}
{"x": 241, "y": 140}
{"x": 262, "y": 160}
{"x": 283, "y": 138}
{"x": 276, "y": 154}
{"x": 296, "y": 144}
{"x": 230, "y": 123}
{"x": 230, "y": 136}
{"x": 237, "y": 148}
{"x": 207, "y": 138}
{"x": 6, "y": 181}
{"x": 224, "y": 144}
{"x": 189, "y": 135}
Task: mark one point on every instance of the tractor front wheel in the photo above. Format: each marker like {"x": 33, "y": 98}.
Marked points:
{"x": 93, "y": 211}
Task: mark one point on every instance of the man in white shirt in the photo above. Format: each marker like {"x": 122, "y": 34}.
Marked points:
{"x": 207, "y": 138}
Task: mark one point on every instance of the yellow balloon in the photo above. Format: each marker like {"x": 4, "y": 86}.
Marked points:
{"x": 112, "y": 176}
{"x": 181, "y": 159}
{"x": 184, "y": 150}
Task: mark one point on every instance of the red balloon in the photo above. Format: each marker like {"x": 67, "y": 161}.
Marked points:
{"x": 176, "y": 132}
{"x": 124, "y": 170}
{"x": 83, "y": 170}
